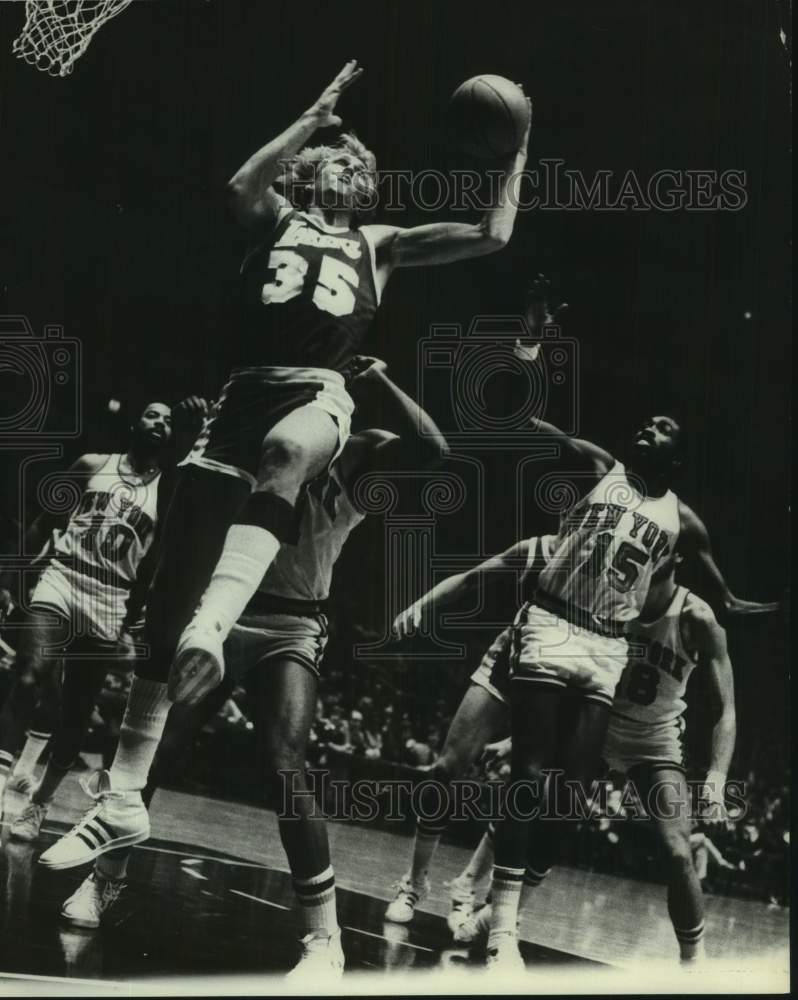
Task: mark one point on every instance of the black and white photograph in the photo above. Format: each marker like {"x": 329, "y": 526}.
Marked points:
{"x": 395, "y": 424}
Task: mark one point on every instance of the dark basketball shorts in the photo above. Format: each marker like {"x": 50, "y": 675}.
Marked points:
{"x": 252, "y": 402}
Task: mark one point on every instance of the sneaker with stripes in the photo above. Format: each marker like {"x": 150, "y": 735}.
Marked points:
{"x": 198, "y": 666}
{"x": 119, "y": 819}
{"x": 408, "y": 895}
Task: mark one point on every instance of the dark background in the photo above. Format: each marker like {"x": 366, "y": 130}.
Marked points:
{"x": 114, "y": 226}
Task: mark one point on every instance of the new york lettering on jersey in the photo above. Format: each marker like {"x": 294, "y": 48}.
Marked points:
{"x": 112, "y": 527}
{"x": 309, "y": 294}
{"x": 654, "y": 682}
{"x": 609, "y": 545}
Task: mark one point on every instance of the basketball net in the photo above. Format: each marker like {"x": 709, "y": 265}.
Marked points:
{"x": 58, "y": 32}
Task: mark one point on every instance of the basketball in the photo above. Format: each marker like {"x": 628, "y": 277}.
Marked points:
{"x": 488, "y": 116}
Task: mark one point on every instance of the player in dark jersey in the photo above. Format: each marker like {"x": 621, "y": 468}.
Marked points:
{"x": 311, "y": 282}
{"x": 276, "y": 649}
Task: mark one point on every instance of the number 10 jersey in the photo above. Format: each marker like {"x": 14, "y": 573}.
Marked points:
{"x": 309, "y": 295}
{"x": 608, "y": 547}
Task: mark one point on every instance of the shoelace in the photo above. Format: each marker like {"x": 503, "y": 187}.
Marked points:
{"x": 31, "y": 810}
{"x": 101, "y": 795}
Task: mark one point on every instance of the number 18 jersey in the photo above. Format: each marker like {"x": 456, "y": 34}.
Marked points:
{"x": 608, "y": 547}
{"x": 309, "y": 294}
{"x": 652, "y": 686}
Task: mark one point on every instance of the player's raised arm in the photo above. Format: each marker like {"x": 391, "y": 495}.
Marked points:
{"x": 404, "y": 436}
{"x": 458, "y": 585}
{"x": 446, "y": 242}
{"x": 708, "y": 637}
{"x": 584, "y": 453}
{"x": 252, "y": 198}
{"x": 694, "y": 544}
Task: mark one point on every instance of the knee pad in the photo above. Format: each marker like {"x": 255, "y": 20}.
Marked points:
{"x": 274, "y": 514}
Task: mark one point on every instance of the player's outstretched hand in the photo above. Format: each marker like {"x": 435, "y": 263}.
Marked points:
{"x": 324, "y": 108}
{"x": 409, "y": 621}
{"x": 539, "y": 312}
{"x": 363, "y": 366}
{"x": 192, "y": 409}
{"x": 496, "y": 753}
{"x": 711, "y": 802}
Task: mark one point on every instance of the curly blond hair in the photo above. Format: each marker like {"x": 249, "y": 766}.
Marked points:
{"x": 300, "y": 173}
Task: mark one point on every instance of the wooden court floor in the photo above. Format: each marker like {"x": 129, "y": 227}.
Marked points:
{"x": 210, "y": 896}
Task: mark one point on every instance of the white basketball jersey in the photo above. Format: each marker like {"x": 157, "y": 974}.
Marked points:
{"x": 112, "y": 527}
{"x": 304, "y": 571}
{"x": 652, "y": 686}
{"x": 609, "y": 545}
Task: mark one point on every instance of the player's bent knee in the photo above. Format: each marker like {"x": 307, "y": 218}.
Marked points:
{"x": 282, "y": 452}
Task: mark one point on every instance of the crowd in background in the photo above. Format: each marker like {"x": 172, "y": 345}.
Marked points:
{"x": 367, "y": 713}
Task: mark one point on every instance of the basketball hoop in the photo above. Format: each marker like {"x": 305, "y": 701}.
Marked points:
{"x": 58, "y": 32}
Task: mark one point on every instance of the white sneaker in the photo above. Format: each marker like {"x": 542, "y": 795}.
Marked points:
{"x": 461, "y": 892}
{"x": 322, "y": 955}
{"x": 118, "y": 820}
{"x": 475, "y": 927}
{"x": 90, "y": 900}
{"x": 408, "y": 896}
{"x": 198, "y": 666}
{"x": 505, "y": 955}
{"x": 29, "y": 822}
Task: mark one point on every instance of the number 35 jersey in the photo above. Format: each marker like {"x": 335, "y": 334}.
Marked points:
{"x": 652, "y": 686}
{"x": 309, "y": 295}
{"x": 608, "y": 547}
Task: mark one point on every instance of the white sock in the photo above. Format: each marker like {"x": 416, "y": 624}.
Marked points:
{"x": 111, "y": 868}
{"x": 424, "y": 846}
{"x": 142, "y": 728}
{"x": 316, "y": 897}
{"x": 480, "y": 862}
{"x": 34, "y": 745}
{"x": 248, "y": 552}
{"x": 505, "y": 896}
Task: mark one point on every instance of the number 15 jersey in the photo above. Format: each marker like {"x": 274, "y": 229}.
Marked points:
{"x": 309, "y": 295}
{"x": 608, "y": 547}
